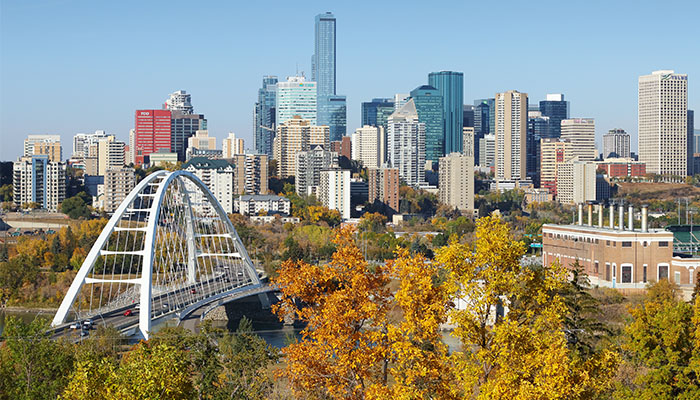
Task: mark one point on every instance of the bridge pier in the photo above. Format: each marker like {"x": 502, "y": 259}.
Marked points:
{"x": 264, "y": 301}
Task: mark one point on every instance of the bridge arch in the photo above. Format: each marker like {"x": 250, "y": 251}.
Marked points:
{"x": 169, "y": 247}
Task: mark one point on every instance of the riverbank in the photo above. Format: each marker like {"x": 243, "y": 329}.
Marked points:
{"x": 37, "y": 310}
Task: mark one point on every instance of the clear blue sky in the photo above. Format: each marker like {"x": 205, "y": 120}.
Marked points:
{"x": 78, "y": 66}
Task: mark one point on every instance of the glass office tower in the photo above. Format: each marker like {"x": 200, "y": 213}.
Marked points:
{"x": 450, "y": 84}
{"x": 323, "y": 65}
{"x": 377, "y": 112}
{"x": 332, "y": 111}
{"x": 264, "y": 116}
{"x": 556, "y": 109}
{"x": 428, "y": 103}
{"x": 484, "y": 117}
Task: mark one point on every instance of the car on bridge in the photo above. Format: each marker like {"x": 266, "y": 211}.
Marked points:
{"x": 128, "y": 313}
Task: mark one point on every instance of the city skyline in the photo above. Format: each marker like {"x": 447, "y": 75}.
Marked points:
{"x": 87, "y": 61}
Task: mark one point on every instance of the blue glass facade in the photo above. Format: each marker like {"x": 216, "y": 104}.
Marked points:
{"x": 428, "y": 102}
{"x": 264, "y": 116}
{"x": 484, "y": 117}
{"x": 556, "y": 111}
{"x": 323, "y": 60}
{"x": 377, "y": 112}
{"x": 450, "y": 84}
{"x": 537, "y": 128}
{"x": 332, "y": 112}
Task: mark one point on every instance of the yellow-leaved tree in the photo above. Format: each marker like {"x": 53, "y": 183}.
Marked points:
{"x": 509, "y": 320}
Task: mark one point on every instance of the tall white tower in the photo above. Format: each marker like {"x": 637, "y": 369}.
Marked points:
{"x": 663, "y": 122}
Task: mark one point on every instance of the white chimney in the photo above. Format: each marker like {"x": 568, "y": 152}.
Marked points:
{"x": 644, "y": 219}
{"x": 580, "y": 213}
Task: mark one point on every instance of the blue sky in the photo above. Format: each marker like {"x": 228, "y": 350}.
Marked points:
{"x": 78, "y": 66}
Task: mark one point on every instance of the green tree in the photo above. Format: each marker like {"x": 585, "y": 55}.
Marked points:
{"x": 6, "y": 192}
{"x": 75, "y": 207}
{"x": 32, "y": 366}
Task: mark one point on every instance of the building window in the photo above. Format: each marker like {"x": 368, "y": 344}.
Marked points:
{"x": 607, "y": 243}
{"x": 626, "y": 274}
{"x": 596, "y": 267}
{"x": 626, "y": 244}
{"x": 663, "y": 271}
{"x": 607, "y": 271}
{"x": 663, "y": 244}
{"x": 644, "y": 274}
{"x": 677, "y": 276}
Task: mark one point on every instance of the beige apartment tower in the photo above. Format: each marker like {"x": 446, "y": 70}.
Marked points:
{"x": 293, "y": 136}
{"x": 663, "y": 122}
{"x": 511, "y": 133}
{"x": 581, "y": 133}
{"x": 456, "y": 180}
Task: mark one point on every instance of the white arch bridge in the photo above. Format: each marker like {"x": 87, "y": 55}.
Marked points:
{"x": 169, "y": 250}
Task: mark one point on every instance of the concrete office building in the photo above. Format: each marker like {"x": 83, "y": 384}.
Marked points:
{"x": 369, "y": 146}
{"x": 581, "y": 133}
{"x": 334, "y": 191}
{"x": 406, "y": 144}
{"x": 118, "y": 183}
{"x": 309, "y": 165}
{"x": 383, "y": 186}
{"x": 37, "y": 179}
{"x": 511, "y": 131}
{"x": 294, "y": 97}
{"x": 201, "y": 140}
{"x": 217, "y": 175}
{"x": 487, "y": 151}
{"x": 456, "y": 187}
{"x": 663, "y": 122}
{"x": 576, "y": 181}
{"x": 616, "y": 144}
{"x": 232, "y": 146}
{"x": 554, "y": 152}
{"x": 293, "y": 136}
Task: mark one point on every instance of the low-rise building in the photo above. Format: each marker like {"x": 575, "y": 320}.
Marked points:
{"x": 269, "y": 204}
{"x": 623, "y": 167}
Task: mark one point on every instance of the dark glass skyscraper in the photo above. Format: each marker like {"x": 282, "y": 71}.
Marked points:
{"x": 537, "y": 128}
{"x": 468, "y": 115}
{"x": 428, "y": 102}
{"x": 556, "y": 109}
{"x": 484, "y": 117}
{"x": 331, "y": 109}
{"x": 264, "y": 116}
{"x": 450, "y": 84}
{"x": 377, "y": 112}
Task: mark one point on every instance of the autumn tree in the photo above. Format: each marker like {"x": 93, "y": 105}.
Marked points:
{"x": 510, "y": 323}
{"x": 663, "y": 340}
{"x": 344, "y": 303}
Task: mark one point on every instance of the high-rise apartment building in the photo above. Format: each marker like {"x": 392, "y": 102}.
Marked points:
{"x": 553, "y": 153}
{"x": 132, "y": 147}
{"x": 152, "y": 133}
{"x": 296, "y": 96}
{"x": 456, "y": 177}
{"x": 118, "y": 183}
{"x": 487, "y": 151}
{"x": 406, "y": 144}
{"x": 468, "y": 145}
{"x": 217, "y": 175}
{"x": 83, "y": 141}
{"x": 179, "y": 101}
{"x": 450, "y": 85}
{"x": 309, "y": 166}
{"x": 616, "y": 144}
{"x": 377, "y": 112}
{"x": 110, "y": 154}
{"x": 293, "y": 136}
{"x": 49, "y": 145}
{"x": 511, "y": 131}
{"x": 576, "y": 182}
{"x": 383, "y": 186}
{"x": 400, "y": 100}
{"x": 581, "y": 133}
{"x": 369, "y": 146}
{"x": 334, "y": 191}
{"x": 251, "y": 174}
{"x": 663, "y": 122}
{"x": 232, "y": 146}
{"x": 556, "y": 109}
{"x": 37, "y": 179}
{"x": 264, "y": 115}
{"x": 428, "y": 103}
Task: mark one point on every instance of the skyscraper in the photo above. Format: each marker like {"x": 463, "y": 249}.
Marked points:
{"x": 332, "y": 112}
{"x": 37, "y": 179}
{"x": 511, "y": 131}
{"x": 581, "y": 133}
{"x": 293, "y": 136}
{"x": 232, "y": 146}
{"x": 691, "y": 142}
{"x": 377, "y": 112}
{"x": 182, "y": 127}
{"x": 179, "y": 101}
{"x": 296, "y": 96}
{"x": 369, "y": 146}
{"x": 264, "y": 116}
{"x": 457, "y": 181}
{"x": 663, "y": 122}
{"x": 537, "y": 126}
{"x": 616, "y": 144}
{"x": 557, "y": 109}
{"x": 406, "y": 144}
{"x": 428, "y": 103}
{"x": 484, "y": 113}
{"x": 309, "y": 165}
{"x": 152, "y": 133}
{"x": 323, "y": 60}
{"x": 450, "y": 84}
